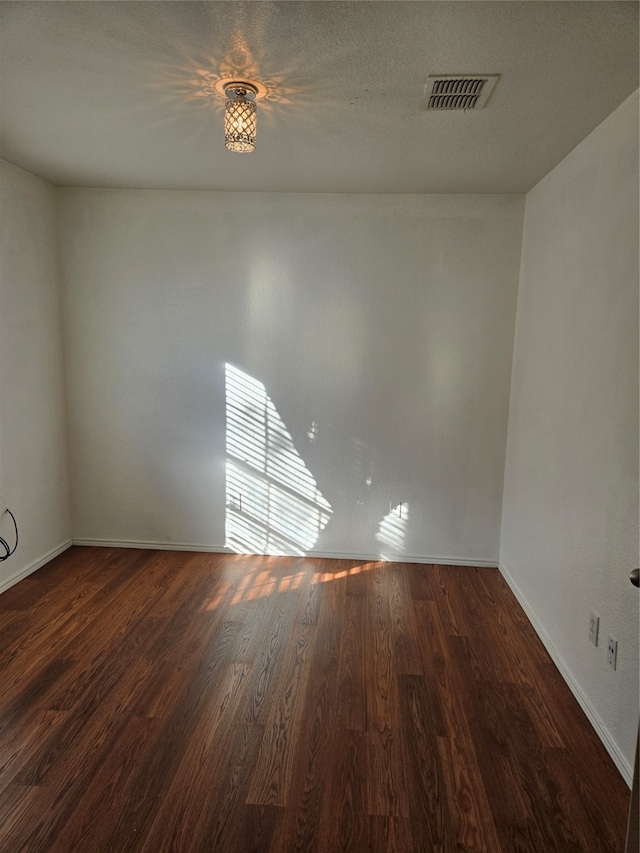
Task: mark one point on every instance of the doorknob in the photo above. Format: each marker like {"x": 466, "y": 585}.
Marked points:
{"x": 634, "y": 577}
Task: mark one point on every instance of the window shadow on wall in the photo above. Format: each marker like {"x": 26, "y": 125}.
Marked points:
{"x": 273, "y": 504}
{"x": 392, "y": 532}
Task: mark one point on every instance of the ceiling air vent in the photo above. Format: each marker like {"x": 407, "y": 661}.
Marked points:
{"x": 457, "y": 91}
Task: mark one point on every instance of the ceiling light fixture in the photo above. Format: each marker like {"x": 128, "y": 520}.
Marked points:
{"x": 240, "y": 116}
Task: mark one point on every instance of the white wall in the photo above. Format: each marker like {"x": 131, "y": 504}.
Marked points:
{"x": 33, "y": 445}
{"x": 570, "y": 515}
{"x": 386, "y": 320}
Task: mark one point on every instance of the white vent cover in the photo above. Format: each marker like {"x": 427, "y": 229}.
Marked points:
{"x": 457, "y": 91}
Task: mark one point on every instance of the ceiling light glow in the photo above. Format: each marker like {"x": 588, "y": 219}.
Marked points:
{"x": 240, "y": 117}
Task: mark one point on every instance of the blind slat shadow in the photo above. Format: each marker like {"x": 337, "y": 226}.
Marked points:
{"x": 273, "y": 504}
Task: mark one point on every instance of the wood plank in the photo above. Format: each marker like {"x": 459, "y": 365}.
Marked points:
{"x": 344, "y": 824}
{"x": 329, "y": 629}
{"x": 425, "y": 775}
{"x": 181, "y": 806}
{"x": 403, "y": 625}
{"x": 352, "y": 699}
{"x": 387, "y": 786}
{"x": 449, "y": 601}
{"x": 272, "y": 774}
{"x": 473, "y": 826}
{"x": 389, "y": 835}
{"x": 221, "y": 822}
{"x": 18, "y": 747}
{"x": 299, "y": 826}
{"x": 274, "y": 640}
{"x": 447, "y": 709}
{"x": 104, "y": 799}
{"x": 419, "y": 584}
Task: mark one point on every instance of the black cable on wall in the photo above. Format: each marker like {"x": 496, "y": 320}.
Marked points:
{"x": 4, "y": 545}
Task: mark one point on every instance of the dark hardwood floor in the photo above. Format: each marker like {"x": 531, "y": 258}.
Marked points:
{"x": 170, "y": 701}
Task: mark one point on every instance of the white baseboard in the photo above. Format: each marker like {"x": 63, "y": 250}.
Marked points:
{"x": 624, "y": 766}
{"x": 34, "y": 566}
{"x": 408, "y": 558}
{"x": 152, "y": 546}
{"x": 331, "y": 555}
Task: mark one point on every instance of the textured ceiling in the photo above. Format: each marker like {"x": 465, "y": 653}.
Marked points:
{"x": 122, "y": 94}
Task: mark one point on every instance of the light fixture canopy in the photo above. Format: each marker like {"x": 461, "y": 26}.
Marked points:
{"x": 240, "y": 116}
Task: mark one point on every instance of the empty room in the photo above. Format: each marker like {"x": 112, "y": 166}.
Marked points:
{"x": 319, "y": 426}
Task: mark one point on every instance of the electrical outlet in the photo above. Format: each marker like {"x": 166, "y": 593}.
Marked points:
{"x": 612, "y": 652}
{"x": 594, "y": 627}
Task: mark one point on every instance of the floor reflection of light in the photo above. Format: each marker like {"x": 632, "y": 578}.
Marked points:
{"x": 326, "y": 577}
{"x": 392, "y": 531}
{"x": 249, "y": 582}
{"x": 273, "y": 504}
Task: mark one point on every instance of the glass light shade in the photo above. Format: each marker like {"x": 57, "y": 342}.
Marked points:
{"x": 239, "y": 124}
